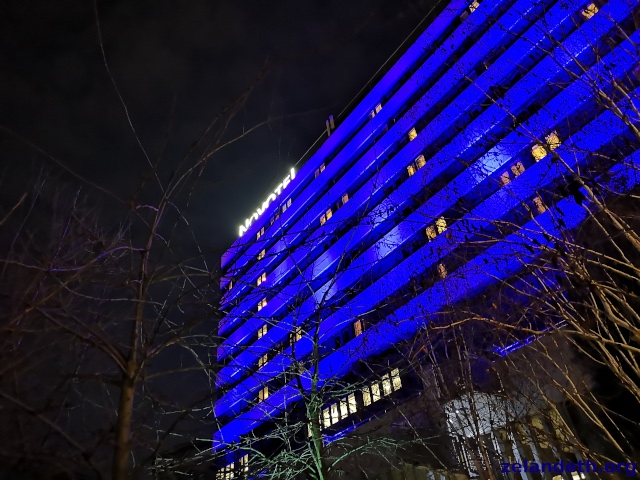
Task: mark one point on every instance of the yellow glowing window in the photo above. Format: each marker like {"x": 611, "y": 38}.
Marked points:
{"x": 386, "y": 385}
{"x": 553, "y": 140}
{"x": 441, "y": 225}
{"x": 230, "y": 285}
{"x": 323, "y": 219}
{"x": 538, "y": 152}
{"x": 329, "y": 213}
{"x": 261, "y": 254}
{"x": 263, "y": 394}
{"x": 412, "y": 134}
{"x": 262, "y": 331}
{"x": 504, "y": 178}
{"x": 262, "y": 361}
{"x": 475, "y": 4}
{"x": 262, "y": 303}
{"x": 420, "y": 161}
{"x": 351, "y": 401}
{"x": 375, "y": 110}
{"x": 375, "y": 392}
{"x": 411, "y": 170}
{"x": 442, "y": 271}
{"x": 366, "y": 396}
{"x": 244, "y": 463}
{"x": 345, "y": 198}
{"x": 431, "y": 232}
{"x": 517, "y": 169}
{"x": 539, "y": 205}
{"x": 589, "y": 11}
{"x": 296, "y": 334}
{"x": 395, "y": 379}
{"x": 262, "y": 278}
{"x": 286, "y": 205}
{"x": 357, "y": 327}
{"x": 259, "y": 233}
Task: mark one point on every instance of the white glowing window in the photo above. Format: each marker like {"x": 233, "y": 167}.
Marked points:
{"x": 320, "y": 170}
{"x": 504, "y": 178}
{"x": 262, "y": 361}
{"x": 326, "y": 417}
{"x": 538, "y": 152}
{"x": 286, "y": 205}
{"x": 441, "y": 225}
{"x": 261, "y": 254}
{"x": 475, "y": 4}
{"x": 420, "y": 161}
{"x": 553, "y": 140}
{"x": 263, "y": 394}
{"x": 431, "y": 232}
{"x": 386, "y": 385}
{"x": 412, "y": 134}
{"x": 366, "y": 396}
{"x": 243, "y": 463}
{"x": 259, "y": 233}
{"x": 589, "y": 11}
{"x": 358, "y": 327}
{"x": 335, "y": 417}
{"x": 539, "y": 205}
{"x": 411, "y": 170}
{"x": 351, "y": 402}
{"x": 395, "y": 379}
{"x": 225, "y": 473}
{"x": 442, "y": 271}
{"x": 329, "y": 213}
{"x": 344, "y": 408}
{"x": 375, "y": 392}
{"x": 517, "y": 168}
{"x": 345, "y": 198}
{"x": 262, "y": 331}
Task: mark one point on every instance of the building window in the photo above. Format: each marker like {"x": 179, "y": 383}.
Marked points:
{"x": 295, "y": 335}
{"x": 326, "y": 417}
{"x": 262, "y": 278}
{"x": 505, "y": 178}
{"x": 260, "y": 233}
{"x": 431, "y": 232}
{"x": 386, "y": 385}
{"x": 261, "y": 254}
{"x": 262, "y": 361}
{"x": 441, "y": 225}
{"x": 417, "y": 164}
{"x": 411, "y": 170}
{"x": 538, "y": 152}
{"x": 319, "y": 170}
{"x": 262, "y": 303}
{"x": 326, "y": 216}
{"x": 262, "y": 331}
{"x": 230, "y": 286}
{"x": 263, "y": 394}
{"x": 329, "y": 213}
{"x": 345, "y": 198}
{"x": 344, "y": 408}
{"x": 517, "y": 168}
{"x": 442, "y": 271}
{"x": 375, "y": 392}
{"x": 286, "y": 205}
{"x": 396, "y": 381}
{"x": 243, "y": 463}
{"x": 358, "y": 327}
{"x": 375, "y": 111}
{"x": 553, "y": 140}
{"x": 351, "y": 403}
{"x": 539, "y": 204}
{"x": 335, "y": 416}
{"x": 366, "y": 396}
{"x": 472, "y": 7}
{"x": 412, "y": 134}
{"x": 589, "y": 11}
{"x": 225, "y": 473}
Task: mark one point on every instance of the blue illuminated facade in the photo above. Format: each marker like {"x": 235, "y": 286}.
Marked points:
{"x": 479, "y": 121}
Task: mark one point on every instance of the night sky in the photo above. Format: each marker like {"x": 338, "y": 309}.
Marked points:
{"x": 176, "y": 63}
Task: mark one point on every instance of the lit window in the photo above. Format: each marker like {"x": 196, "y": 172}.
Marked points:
{"x": 396, "y": 381}
{"x": 262, "y": 278}
{"x": 230, "y": 285}
{"x": 275, "y": 217}
{"x": 411, "y": 170}
{"x": 261, "y": 254}
{"x": 538, "y": 152}
{"x": 386, "y": 385}
{"x": 323, "y": 219}
{"x": 517, "y": 169}
{"x": 345, "y": 198}
{"x": 366, "y": 396}
{"x": 329, "y": 213}
{"x": 441, "y": 225}
{"x": 431, "y": 232}
{"x": 351, "y": 402}
{"x": 295, "y": 335}
{"x": 375, "y": 392}
{"x": 225, "y": 473}
{"x": 326, "y": 417}
{"x": 420, "y": 161}
{"x": 286, "y": 205}
{"x": 262, "y": 361}
{"x": 375, "y": 110}
{"x": 442, "y": 271}
{"x": 319, "y": 170}
{"x": 358, "y": 327}
{"x": 243, "y": 463}
{"x": 589, "y": 11}
{"x": 505, "y": 178}
{"x": 553, "y": 140}
{"x": 262, "y": 331}
{"x": 263, "y": 394}
{"x": 344, "y": 408}
{"x": 472, "y": 7}
{"x": 412, "y": 134}
{"x": 262, "y": 303}
{"x": 539, "y": 205}
{"x": 260, "y": 233}
{"x": 335, "y": 417}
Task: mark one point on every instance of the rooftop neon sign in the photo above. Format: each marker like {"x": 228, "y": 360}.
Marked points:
{"x": 272, "y": 197}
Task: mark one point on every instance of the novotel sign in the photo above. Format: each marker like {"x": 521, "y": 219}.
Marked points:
{"x": 275, "y": 194}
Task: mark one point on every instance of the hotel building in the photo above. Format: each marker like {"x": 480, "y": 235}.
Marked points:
{"x": 480, "y": 121}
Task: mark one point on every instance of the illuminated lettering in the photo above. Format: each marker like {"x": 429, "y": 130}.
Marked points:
{"x": 271, "y": 198}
